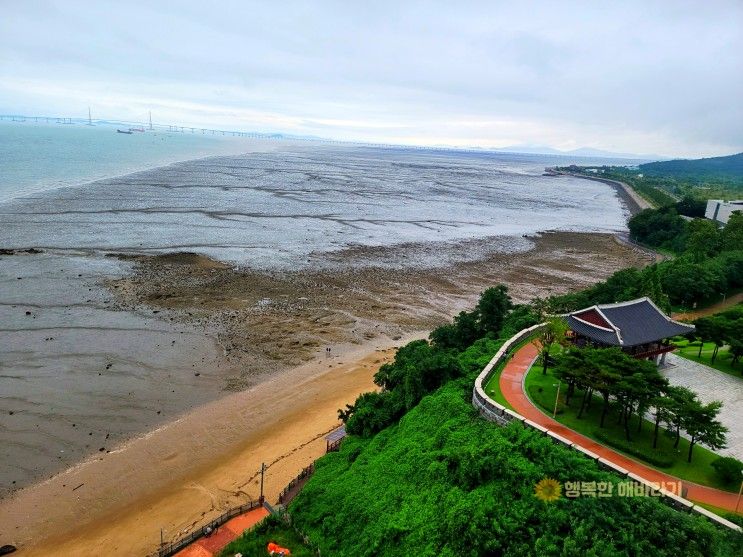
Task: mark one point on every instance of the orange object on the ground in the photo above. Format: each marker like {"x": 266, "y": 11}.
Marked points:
{"x": 275, "y": 549}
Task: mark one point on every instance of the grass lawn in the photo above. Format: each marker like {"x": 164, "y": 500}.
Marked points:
{"x": 722, "y": 363}
{"x": 542, "y": 391}
{"x": 253, "y": 542}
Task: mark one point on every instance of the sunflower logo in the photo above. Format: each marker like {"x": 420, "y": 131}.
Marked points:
{"x": 548, "y": 490}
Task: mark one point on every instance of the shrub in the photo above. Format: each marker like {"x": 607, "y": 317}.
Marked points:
{"x": 728, "y": 469}
{"x": 634, "y": 450}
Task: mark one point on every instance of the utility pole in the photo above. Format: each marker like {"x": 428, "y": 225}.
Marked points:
{"x": 150, "y": 120}
{"x": 263, "y": 471}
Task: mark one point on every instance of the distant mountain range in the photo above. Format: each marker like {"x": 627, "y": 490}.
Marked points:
{"x": 581, "y": 152}
{"x": 730, "y": 167}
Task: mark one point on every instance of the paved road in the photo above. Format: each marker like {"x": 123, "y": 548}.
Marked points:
{"x": 511, "y": 385}
{"x": 710, "y": 385}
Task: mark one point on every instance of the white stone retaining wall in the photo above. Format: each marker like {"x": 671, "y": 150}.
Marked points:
{"x": 494, "y": 412}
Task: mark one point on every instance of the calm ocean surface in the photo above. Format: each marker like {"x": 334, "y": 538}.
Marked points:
{"x": 39, "y": 157}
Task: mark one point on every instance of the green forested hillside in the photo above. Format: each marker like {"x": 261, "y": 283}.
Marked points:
{"x": 444, "y": 482}
{"x": 730, "y": 167}
{"x": 423, "y": 474}
{"x": 707, "y": 263}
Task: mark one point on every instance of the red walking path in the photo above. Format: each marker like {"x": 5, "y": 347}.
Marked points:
{"x": 214, "y": 544}
{"x": 511, "y": 385}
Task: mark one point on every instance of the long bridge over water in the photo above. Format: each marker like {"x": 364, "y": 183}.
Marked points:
{"x": 176, "y": 128}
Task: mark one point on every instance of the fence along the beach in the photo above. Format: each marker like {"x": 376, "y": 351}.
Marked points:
{"x": 172, "y": 548}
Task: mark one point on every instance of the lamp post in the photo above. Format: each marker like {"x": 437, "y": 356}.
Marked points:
{"x": 740, "y": 492}
{"x": 557, "y": 397}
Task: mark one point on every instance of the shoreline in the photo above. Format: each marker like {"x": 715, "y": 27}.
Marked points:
{"x": 175, "y": 476}
{"x": 193, "y": 468}
{"x": 629, "y": 197}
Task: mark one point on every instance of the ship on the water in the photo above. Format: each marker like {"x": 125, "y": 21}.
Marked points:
{"x": 129, "y": 132}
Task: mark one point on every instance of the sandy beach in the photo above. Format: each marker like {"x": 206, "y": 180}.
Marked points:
{"x": 206, "y": 461}
{"x": 190, "y": 470}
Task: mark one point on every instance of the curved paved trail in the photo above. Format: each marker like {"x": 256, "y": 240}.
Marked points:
{"x": 511, "y": 385}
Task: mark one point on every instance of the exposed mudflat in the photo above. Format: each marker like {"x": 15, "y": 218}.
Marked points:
{"x": 164, "y": 329}
{"x": 194, "y": 468}
{"x": 269, "y": 321}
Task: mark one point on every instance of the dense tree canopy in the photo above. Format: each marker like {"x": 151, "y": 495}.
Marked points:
{"x": 421, "y": 367}
{"x": 486, "y": 319}
{"x": 444, "y": 482}
{"x": 422, "y": 474}
{"x": 708, "y": 263}
{"x": 660, "y": 228}
{"x": 691, "y": 206}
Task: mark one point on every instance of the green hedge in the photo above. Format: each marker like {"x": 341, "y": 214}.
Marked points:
{"x": 633, "y": 450}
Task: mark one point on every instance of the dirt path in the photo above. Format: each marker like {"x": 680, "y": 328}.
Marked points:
{"x": 709, "y": 310}
{"x": 511, "y": 385}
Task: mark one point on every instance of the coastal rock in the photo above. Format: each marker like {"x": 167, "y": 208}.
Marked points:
{"x": 7, "y": 251}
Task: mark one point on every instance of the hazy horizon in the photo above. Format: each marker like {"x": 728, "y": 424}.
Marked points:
{"x": 645, "y": 78}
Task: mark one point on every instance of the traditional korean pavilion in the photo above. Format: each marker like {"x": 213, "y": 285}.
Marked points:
{"x": 638, "y": 327}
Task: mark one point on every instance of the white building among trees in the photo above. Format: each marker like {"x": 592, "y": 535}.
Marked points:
{"x": 720, "y": 211}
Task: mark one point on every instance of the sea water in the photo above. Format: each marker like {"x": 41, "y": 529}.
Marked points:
{"x": 36, "y": 157}
{"x": 272, "y": 204}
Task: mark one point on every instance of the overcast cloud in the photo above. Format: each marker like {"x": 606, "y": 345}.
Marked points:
{"x": 641, "y": 77}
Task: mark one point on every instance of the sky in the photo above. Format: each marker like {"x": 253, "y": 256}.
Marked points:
{"x": 642, "y": 77}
